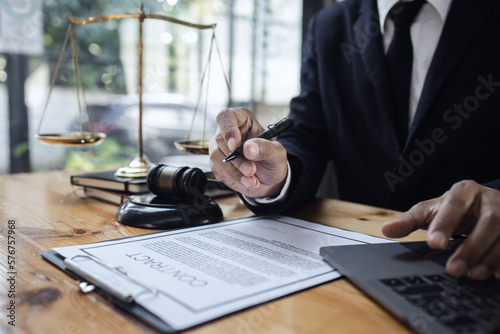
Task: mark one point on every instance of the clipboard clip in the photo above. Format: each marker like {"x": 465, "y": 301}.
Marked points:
{"x": 91, "y": 279}
{"x": 85, "y": 287}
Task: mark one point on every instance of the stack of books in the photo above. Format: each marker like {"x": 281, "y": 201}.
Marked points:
{"x": 107, "y": 187}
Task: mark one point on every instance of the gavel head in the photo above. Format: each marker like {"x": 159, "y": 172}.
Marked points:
{"x": 184, "y": 183}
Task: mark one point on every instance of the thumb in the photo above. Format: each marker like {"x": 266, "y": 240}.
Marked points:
{"x": 258, "y": 149}
{"x": 418, "y": 217}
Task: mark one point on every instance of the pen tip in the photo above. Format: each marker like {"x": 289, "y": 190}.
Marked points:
{"x": 230, "y": 157}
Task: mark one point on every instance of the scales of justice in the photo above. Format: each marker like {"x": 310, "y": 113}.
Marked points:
{"x": 140, "y": 166}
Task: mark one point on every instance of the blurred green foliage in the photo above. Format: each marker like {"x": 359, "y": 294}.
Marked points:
{"x": 98, "y": 44}
{"x": 21, "y": 149}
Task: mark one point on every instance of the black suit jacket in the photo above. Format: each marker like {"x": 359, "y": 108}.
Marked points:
{"x": 344, "y": 110}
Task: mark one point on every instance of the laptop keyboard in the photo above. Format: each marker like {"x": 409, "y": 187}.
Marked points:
{"x": 462, "y": 304}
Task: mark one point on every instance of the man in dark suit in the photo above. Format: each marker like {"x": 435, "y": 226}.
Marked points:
{"x": 443, "y": 154}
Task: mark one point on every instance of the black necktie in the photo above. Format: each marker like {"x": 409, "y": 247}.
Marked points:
{"x": 400, "y": 60}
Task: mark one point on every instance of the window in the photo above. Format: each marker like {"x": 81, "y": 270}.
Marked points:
{"x": 260, "y": 49}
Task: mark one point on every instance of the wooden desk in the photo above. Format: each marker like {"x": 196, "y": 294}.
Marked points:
{"x": 47, "y": 213}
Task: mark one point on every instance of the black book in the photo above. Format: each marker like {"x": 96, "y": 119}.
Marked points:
{"x": 109, "y": 196}
{"x": 108, "y": 181}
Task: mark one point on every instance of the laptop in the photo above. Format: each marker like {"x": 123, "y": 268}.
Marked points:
{"x": 409, "y": 280}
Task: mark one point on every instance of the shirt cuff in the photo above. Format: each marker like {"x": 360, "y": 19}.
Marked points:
{"x": 268, "y": 200}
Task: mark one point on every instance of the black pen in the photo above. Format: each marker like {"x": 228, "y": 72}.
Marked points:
{"x": 272, "y": 131}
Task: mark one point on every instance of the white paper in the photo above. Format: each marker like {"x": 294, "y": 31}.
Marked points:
{"x": 205, "y": 272}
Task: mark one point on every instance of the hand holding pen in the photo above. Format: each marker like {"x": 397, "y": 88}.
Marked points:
{"x": 272, "y": 131}
{"x": 263, "y": 170}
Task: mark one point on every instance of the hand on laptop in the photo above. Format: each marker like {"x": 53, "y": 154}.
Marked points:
{"x": 263, "y": 169}
{"x": 467, "y": 208}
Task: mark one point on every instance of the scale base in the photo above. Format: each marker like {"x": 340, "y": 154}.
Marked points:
{"x": 139, "y": 167}
{"x": 160, "y": 213}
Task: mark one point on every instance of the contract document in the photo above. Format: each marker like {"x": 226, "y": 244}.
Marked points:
{"x": 192, "y": 275}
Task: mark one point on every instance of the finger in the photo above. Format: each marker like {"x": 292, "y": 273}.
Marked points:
{"x": 215, "y": 152}
{"x": 488, "y": 265}
{"x": 229, "y": 174}
{"x": 457, "y": 203}
{"x": 247, "y": 168}
{"x": 418, "y": 217}
{"x": 229, "y": 132}
{"x": 219, "y": 144}
{"x": 250, "y": 182}
{"x": 236, "y": 124}
{"x": 479, "y": 253}
{"x": 226, "y": 173}
{"x": 219, "y": 141}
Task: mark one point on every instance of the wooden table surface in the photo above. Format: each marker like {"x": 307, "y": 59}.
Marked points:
{"x": 45, "y": 211}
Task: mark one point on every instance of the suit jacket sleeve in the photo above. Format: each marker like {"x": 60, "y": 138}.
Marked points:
{"x": 495, "y": 184}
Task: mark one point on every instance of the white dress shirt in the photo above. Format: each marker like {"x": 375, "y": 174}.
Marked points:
{"x": 425, "y": 33}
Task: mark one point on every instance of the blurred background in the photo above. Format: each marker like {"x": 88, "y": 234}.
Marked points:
{"x": 260, "y": 47}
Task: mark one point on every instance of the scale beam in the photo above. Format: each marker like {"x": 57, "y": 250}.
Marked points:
{"x": 112, "y": 17}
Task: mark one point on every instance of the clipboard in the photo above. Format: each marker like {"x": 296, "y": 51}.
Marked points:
{"x": 129, "y": 306}
{"x": 238, "y": 263}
